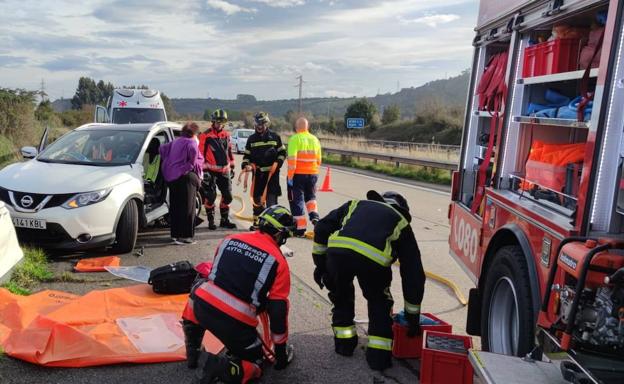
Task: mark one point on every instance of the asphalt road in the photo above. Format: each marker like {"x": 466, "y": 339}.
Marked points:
{"x": 315, "y": 361}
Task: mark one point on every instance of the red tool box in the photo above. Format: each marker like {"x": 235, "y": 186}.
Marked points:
{"x": 550, "y": 57}
{"x": 444, "y": 359}
{"x": 404, "y": 347}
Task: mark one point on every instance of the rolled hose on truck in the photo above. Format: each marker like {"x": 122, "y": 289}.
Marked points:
{"x": 310, "y": 235}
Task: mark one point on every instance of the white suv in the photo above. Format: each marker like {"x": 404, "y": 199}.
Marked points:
{"x": 91, "y": 188}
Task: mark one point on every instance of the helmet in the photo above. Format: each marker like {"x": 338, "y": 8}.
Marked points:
{"x": 262, "y": 118}
{"x": 277, "y": 222}
{"x": 394, "y": 199}
{"x": 219, "y": 115}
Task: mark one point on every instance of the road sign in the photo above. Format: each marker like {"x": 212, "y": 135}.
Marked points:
{"x": 355, "y": 123}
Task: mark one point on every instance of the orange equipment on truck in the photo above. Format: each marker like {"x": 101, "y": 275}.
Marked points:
{"x": 537, "y": 211}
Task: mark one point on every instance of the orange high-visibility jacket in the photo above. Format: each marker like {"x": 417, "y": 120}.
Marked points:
{"x": 304, "y": 154}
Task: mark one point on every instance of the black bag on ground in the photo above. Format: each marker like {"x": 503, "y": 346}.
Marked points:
{"x": 173, "y": 278}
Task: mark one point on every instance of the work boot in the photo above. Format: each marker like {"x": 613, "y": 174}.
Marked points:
{"x": 300, "y": 232}
{"x": 378, "y": 359}
{"x": 193, "y": 336}
{"x": 240, "y": 371}
{"x": 211, "y": 368}
{"x": 345, "y": 347}
{"x": 225, "y": 219}
{"x": 226, "y": 223}
{"x": 210, "y": 214}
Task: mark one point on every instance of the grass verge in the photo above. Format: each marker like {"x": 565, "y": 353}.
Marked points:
{"x": 433, "y": 176}
{"x": 33, "y": 270}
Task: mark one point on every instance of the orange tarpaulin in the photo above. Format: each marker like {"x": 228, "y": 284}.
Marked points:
{"x": 97, "y": 264}
{"x": 59, "y": 329}
{"x": 557, "y": 154}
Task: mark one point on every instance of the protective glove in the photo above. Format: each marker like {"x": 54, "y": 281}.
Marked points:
{"x": 319, "y": 276}
{"x": 284, "y": 354}
{"x": 289, "y": 182}
{"x": 413, "y": 324}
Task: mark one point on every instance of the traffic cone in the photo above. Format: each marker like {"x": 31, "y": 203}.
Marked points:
{"x": 327, "y": 182}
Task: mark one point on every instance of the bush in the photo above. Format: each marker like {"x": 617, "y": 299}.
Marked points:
{"x": 17, "y": 118}
{"x": 74, "y": 118}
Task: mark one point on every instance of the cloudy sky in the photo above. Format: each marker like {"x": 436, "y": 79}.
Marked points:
{"x": 195, "y": 48}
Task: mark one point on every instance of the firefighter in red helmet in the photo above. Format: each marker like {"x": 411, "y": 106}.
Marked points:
{"x": 249, "y": 275}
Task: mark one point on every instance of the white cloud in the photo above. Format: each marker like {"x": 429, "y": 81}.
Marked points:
{"x": 431, "y": 20}
{"x": 280, "y": 3}
{"x": 228, "y": 8}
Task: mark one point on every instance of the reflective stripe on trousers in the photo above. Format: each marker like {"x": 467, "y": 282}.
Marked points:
{"x": 345, "y": 332}
{"x": 410, "y": 308}
{"x": 279, "y": 338}
{"x": 382, "y": 343}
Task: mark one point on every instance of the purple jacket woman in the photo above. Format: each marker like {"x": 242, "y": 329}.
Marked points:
{"x": 181, "y": 164}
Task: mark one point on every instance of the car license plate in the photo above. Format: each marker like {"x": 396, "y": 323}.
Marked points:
{"x": 29, "y": 223}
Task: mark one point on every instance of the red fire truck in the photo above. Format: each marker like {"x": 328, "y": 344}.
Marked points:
{"x": 537, "y": 211}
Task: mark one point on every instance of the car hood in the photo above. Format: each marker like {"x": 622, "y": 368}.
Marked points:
{"x": 52, "y": 178}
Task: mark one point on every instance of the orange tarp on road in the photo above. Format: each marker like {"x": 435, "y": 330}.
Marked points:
{"x": 97, "y": 264}
{"x": 59, "y": 329}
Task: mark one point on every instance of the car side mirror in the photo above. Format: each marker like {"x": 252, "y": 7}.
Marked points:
{"x": 28, "y": 152}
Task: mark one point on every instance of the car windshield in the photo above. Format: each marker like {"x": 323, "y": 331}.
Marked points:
{"x": 103, "y": 147}
{"x": 137, "y": 115}
{"x": 244, "y": 134}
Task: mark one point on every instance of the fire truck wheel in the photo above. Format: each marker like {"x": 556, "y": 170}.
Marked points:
{"x": 507, "y": 310}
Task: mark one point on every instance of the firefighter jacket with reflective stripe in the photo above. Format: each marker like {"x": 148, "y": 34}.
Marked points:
{"x": 250, "y": 275}
{"x": 217, "y": 150}
{"x": 304, "y": 154}
{"x": 378, "y": 232}
{"x": 264, "y": 150}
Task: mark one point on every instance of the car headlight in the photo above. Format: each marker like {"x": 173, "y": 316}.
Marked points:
{"x": 87, "y": 198}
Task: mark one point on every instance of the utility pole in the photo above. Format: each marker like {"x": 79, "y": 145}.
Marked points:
{"x": 300, "y": 85}
{"x": 42, "y": 92}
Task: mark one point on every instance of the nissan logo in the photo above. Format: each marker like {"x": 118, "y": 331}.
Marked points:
{"x": 26, "y": 201}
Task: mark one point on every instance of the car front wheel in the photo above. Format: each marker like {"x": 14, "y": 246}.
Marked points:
{"x": 127, "y": 228}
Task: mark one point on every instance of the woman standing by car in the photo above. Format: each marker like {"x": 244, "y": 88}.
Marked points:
{"x": 182, "y": 169}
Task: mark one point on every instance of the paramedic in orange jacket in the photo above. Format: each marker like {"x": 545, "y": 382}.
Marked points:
{"x": 304, "y": 161}
{"x": 249, "y": 275}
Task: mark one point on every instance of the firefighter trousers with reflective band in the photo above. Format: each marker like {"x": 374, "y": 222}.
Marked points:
{"x": 241, "y": 341}
{"x": 343, "y": 266}
{"x": 302, "y": 197}
{"x": 260, "y": 184}
{"x": 210, "y": 183}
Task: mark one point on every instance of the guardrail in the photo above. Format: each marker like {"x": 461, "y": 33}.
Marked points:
{"x": 398, "y": 160}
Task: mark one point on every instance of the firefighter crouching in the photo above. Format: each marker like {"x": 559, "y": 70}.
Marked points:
{"x": 215, "y": 146}
{"x": 304, "y": 161}
{"x": 264, "y": 155}
{"x": 249, "y": 275}
{"x": 362, "y": 239}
